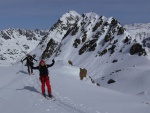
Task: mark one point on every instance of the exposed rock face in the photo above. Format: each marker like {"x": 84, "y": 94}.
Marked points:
{"x": 137, "y": 49}
{"x": 70, "y": 62}
{"x": 83, "y": 73}
{"x": 111, "y": 81}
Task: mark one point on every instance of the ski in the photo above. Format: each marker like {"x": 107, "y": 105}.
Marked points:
{"x": 50, "y": 98}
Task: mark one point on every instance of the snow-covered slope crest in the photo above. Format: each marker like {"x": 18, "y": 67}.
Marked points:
{"x": 15, "y": 43}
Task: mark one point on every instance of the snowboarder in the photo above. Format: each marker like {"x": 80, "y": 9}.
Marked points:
{"x": 44, "y": 78}
{"x": 29, "y": 63}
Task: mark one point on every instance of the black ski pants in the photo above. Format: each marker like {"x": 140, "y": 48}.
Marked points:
{"x": 30, "y": 70}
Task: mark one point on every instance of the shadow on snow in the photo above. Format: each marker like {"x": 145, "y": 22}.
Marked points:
{"x": 29, "y": 88}
{"x": 21, "y": 71}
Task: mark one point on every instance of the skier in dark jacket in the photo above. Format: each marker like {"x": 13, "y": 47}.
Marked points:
{"x": 44, "y": 78}
{"x": 29, "y": 63}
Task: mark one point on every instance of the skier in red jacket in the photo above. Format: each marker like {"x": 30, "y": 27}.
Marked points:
{"x": 44, "y": 78}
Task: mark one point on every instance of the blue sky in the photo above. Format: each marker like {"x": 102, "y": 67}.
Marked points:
{"x": 42, "y": 14}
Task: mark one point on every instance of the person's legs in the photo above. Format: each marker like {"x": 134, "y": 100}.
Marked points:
{"x": 42, "y": 85}
{"x": 28, "y": 69}
{"x": 31, "y": 69}
{"x": 48, "y": 85}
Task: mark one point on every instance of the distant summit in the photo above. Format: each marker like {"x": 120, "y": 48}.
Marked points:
{"x": 15, "y": 43}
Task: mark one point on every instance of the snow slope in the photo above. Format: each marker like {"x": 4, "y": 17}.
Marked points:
{"x": 20, "y": 93}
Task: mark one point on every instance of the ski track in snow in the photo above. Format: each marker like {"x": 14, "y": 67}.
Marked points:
{"x": 32, "y": 83}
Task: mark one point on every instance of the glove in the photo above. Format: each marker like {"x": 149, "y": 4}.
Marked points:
{"x": 21, "y": 61}
{"x": 53, "y": 60}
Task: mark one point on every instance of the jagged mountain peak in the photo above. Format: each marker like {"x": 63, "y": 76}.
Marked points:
{"x": 71, "y": 16}
{"x": 90, "y": 15}
{"x": 90, "y": 32}
{"x": 72, "y": 13}
{"x": 71, "y": 21}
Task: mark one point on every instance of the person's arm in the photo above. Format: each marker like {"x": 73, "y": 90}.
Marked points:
{"x": 50, "y": 65}
{"x": 23, "y": 59}
{"x": 34, "y": 59}
{"x": 37, "y": 67}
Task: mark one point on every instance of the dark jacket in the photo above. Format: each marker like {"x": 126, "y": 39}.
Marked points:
{"x": 44, "y": 69}
{"x": 29, "y": 60}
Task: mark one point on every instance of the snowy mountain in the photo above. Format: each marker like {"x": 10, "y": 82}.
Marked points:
{"x": 115, "y": 57}
{"x": 102, "y": 46}
{"x": 15, "y": 43}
